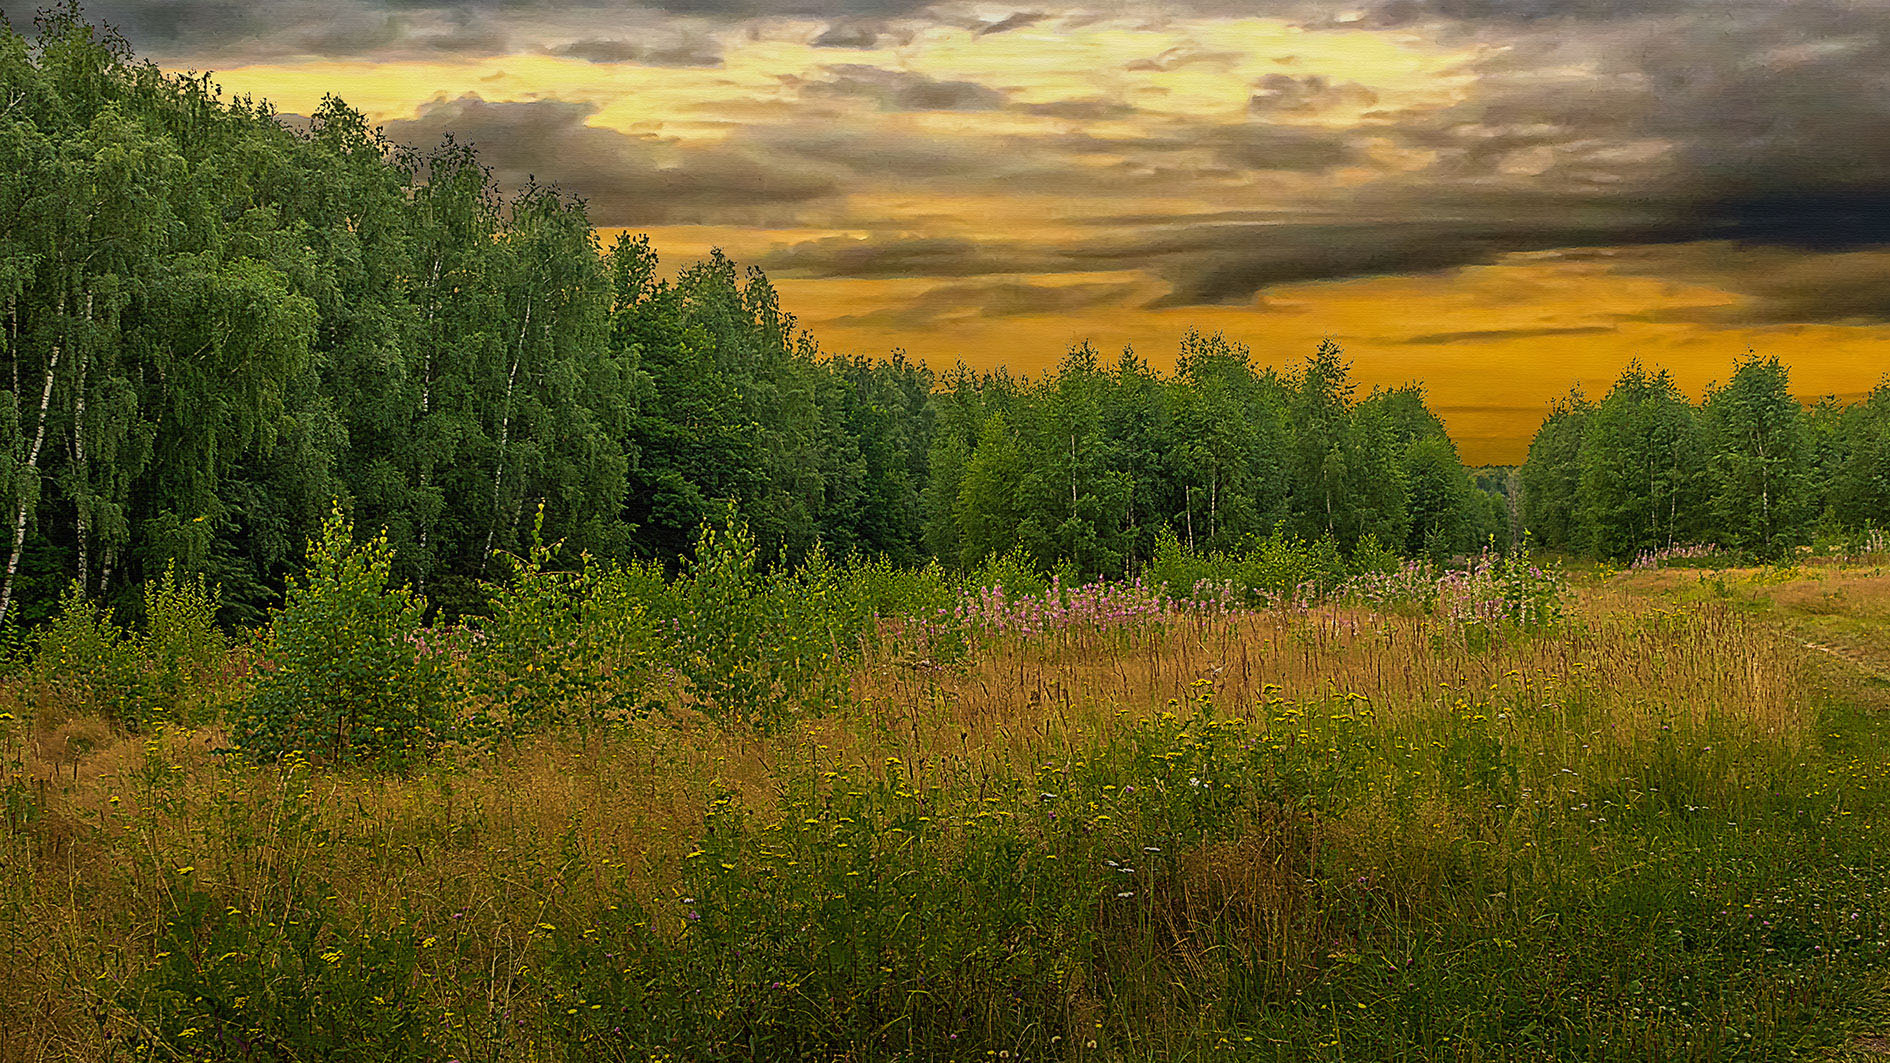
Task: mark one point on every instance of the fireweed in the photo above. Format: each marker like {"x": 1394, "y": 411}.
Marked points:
{"x": 1492, "y": 590}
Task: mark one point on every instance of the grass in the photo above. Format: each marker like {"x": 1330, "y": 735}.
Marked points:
{"x": 1651, "y": 831}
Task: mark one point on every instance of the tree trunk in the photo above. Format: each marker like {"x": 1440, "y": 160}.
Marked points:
{"x": 32, "y": 466}
{"x": 426, "y": 407}
{"x": 505, "y": 435}
{"x": 82, "y": 472}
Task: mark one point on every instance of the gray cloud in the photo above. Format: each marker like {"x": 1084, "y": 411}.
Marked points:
{"x": 1769, "y": 286}
{"x": 464, "y": 37}
{"x": 1399, "y": 14}
{"x": 215, "y": 29}
{"x": 1258, "y": 146}
{"x": 1015, "y": 21}
{"x": 689, "y": 52}
{"x": 903, "y": 255}
{"x": 1760, "y": 128}
{"x": 998, "y": 299}
{"x": 1755, "y": 126}
{"x": 1185, "y": 55}
{"x": 1286, "y": 94}
{"x": 1091, "y": 109}
{"x": 852, "y": 35}
{"x": 902, "y": 90}
{"x": 627, "y": 180}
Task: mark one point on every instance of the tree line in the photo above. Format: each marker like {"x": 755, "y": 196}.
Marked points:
{"x": 212, "y": 326}
{"x": 1749, "y": 468}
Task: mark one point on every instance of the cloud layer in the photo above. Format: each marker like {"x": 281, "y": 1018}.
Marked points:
{"x": 1095, "y": 160}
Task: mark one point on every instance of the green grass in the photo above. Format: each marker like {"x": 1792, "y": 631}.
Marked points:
{"x": 1642, "y": 834}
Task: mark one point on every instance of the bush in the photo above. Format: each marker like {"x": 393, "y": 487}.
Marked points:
{"x": 184, "y": 650}
{"x": 85, "y": 665}
{"x": 283, "y": 985}
{"x": 560, "y": 647}
{"x": 754, "y": 648}
{"x": 1179, "y": 570}
{"x": 1371, "y": 556}
{"x": 1013, "y": 571}
{"x": 344, "y": 674}
{"x": 1287, "y": 567}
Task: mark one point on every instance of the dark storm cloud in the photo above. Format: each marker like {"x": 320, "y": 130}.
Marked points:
{"x": 852, "y": 35}
{"x": 201, "y": 32}
{"x": 902, "y": 90}
{"x": 1761, "y": 127}
{"x": 873, "y": 154}
{"x": 692, "y": 52}
{"x": 992, "y": 299}
{"x": 903, "y": 255}
{"x": 627, "y": 180}
{"x": 1229, "y": 265}
{"x": 1224, "y": 263}
{"x": 1017, "y": 20}
{"x": 1258, "y": 146}
{"x": 464, "y": 38}
{"x": 217, "y": 29}
{"x": 1074, "y": 166}
{"x": 1769, "y": 286}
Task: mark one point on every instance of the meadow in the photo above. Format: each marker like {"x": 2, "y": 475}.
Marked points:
{"x": 1314, "y": 808}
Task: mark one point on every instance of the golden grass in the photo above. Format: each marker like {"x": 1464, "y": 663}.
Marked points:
{"x": 495, "y": 842}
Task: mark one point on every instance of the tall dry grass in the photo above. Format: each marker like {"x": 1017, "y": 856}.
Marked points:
{"x": 1439, "y": 764}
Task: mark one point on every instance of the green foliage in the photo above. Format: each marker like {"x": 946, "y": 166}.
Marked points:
{"x": 1645, "y": 474}
{"x": 86, "y": 665}
{"x": 1180, "y": 569}
{"x": 1014, "y": 570}
{"x": 1640, "y": 472}
{"x": 1279, "y": 568}
{"x": 1284, "y": 567}
{"x": 346, "y": 672}
{"x": 1370, "y": 555}
{"x": 185, "y": 651}
{"x": 557, "y": 648}
{"x": 757, "y": 648}
{"x": 1755, "y": 431}
{"x": 283, "y": 985}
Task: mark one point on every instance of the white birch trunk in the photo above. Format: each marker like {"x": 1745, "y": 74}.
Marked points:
{"x": 32, "y": 465}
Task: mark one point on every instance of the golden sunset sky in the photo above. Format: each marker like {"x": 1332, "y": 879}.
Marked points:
{"x": 1498, "y": 198}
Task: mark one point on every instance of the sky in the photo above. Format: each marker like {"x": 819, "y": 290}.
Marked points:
{"x": 1497, "y": 198}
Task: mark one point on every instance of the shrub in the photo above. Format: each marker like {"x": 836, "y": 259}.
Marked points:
{"x": 1494, "y": 590}
{"x": 1370, "y": 555}
{"x": 559, "y": 647}
{"x": 85, "y": 665}
{"x": 283, "y": 985}
{"x": 1014, "y": 571}
{"x": 1179, "y": 569}
{"x": 343, "y": 674}
{"x": 184, "y": 650}
{"x": 1283, "y": 567}
{"x": 755, "y": 648}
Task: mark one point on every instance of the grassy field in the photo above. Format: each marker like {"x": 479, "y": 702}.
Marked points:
{"x": 1652, "y": 830}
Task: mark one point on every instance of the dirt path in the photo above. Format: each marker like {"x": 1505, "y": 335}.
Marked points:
{"x": 1867, "y": 665}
